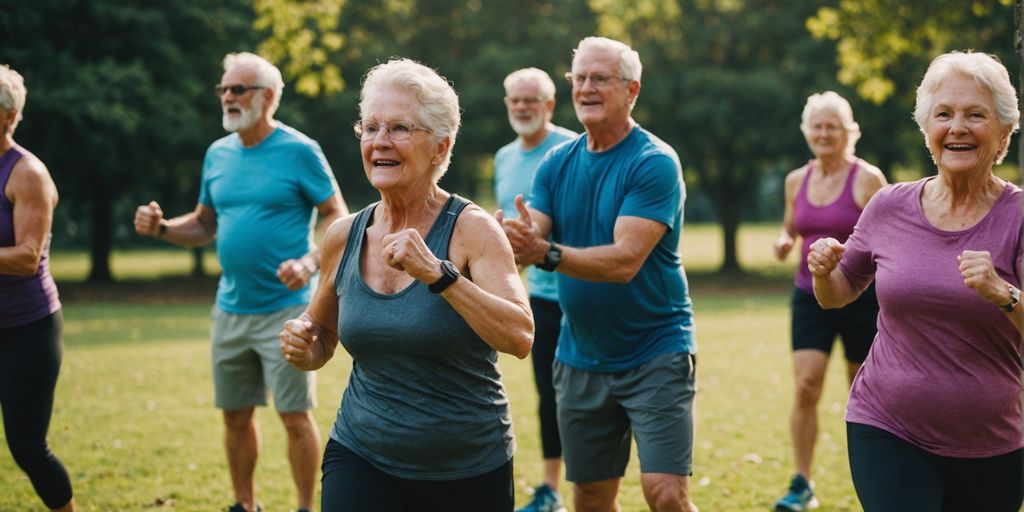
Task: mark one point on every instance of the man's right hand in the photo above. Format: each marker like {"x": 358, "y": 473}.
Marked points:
{"x": 148, "y": 218}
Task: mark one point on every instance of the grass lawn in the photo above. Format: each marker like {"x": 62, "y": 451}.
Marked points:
{"x": 135, "y": 424}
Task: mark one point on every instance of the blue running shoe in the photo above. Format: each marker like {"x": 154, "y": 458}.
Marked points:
{"x": 800, "y": 497}
{"x": 545, "y": 499}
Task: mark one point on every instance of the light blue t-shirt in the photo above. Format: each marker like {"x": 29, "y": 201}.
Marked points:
{"x": 265, "y": 198}
{"x": 607, "y": 326}
{"x": 514, "y": 169}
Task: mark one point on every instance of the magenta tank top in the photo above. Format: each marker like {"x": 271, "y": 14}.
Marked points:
{"x": 23, "y": 299}
{"x": 835, "y": 220}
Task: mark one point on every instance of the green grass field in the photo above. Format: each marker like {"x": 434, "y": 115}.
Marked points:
{"x": 135, "y": 424}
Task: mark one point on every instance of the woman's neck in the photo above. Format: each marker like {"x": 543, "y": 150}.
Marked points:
{"x": 831, "y": 164}
{"x": 411, "y": 210}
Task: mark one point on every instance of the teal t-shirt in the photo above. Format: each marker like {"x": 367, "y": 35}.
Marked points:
{"x": 514, "y": 169}
{"x": 609, "y": 326}
{"x": 265, "y": 198}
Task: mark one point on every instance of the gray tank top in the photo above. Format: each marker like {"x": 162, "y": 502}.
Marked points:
{"x": 424, "y": 400}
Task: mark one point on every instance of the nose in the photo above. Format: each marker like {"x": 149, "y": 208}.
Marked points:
{"x": 958, "y": 124}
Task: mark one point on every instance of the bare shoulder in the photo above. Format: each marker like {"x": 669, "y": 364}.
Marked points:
{"x": 871, "y": 175}
{"x": 30, "y": 176}
{"x": 795, "y": 177}
{"x": 337, "y": 233}
{"x": 478, "y": 232}
{"x": 474, "y": 219}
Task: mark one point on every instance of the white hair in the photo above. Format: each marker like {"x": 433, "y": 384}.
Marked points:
{"x": 438, "y": 103}
{"x": 831, "y": 100}
{"x": 544, "y": 83}
{"x": 267, "y": 74}
{"x": 987, "y": 71}
{"x": 629, "y": 60}
{"x": 12, "y": 92}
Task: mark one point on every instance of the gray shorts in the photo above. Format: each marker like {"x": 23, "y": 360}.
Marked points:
{"x": 247, "y": 363}
{"x": 597, "y": 413}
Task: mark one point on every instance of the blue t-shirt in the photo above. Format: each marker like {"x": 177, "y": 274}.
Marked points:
{"x": 265, "y": 198}
{"x": 514, "y": 169}
{"x": 608, "y": 326}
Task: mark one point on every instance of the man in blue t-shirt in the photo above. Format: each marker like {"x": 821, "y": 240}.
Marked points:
{"x": 530, "y": 99}
{"x": 262, "y": 187}
{"x": 611, "y": 202}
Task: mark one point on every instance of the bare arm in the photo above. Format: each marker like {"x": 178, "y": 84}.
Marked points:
{"x": 295, "y": 273}
{"x": 193, "y": 229}
{"x": 787, "y": 235}
{"x": 633, "y": 240}
{"x": 34, "y": 196}
{"x": 490, "y": 295}
{"x": 979, "y": 274}
{"x": 309, "y": 341}
{"x": 831, "y": 287}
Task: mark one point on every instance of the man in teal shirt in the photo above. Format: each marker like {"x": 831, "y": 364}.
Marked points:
{"x": 530, "y": 99}
{"x": 605, "y": 213}
{"x": 262, "y": 187}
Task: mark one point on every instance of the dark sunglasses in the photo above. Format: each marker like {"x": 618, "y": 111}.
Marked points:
{"x": 237, "y": 90}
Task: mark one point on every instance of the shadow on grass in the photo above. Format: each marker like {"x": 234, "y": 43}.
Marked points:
{"x": 165, "y": 290}
{"x": 187, "y": 289}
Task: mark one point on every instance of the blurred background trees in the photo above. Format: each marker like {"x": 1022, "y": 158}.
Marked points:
{"x": 121, "y": 108}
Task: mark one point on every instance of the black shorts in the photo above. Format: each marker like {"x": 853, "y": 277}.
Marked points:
{"x": 816, "y": 328}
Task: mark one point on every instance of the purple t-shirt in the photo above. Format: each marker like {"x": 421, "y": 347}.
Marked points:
{"x": 835, "y": 220}
{"x": 944, "y": 372}
{"x": 23, "y": 299}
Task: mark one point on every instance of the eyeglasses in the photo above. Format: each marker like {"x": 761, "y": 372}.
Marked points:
{"x": 397, "y": 131}
{"x": 529, "y": 101}
{"x": 237, "y": 89}
{"x": 596, "y": 79}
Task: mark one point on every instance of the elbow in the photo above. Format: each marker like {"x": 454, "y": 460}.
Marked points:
{"x": 625, "y": 273}
{"x": 27, "y": 264}
{"x": 523, "y": 347}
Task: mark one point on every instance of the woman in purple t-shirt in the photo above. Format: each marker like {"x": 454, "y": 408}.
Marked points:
{"x": 934, "y": 418}
{"x": 823, "y": 199}
{"x": 30, "y": 317}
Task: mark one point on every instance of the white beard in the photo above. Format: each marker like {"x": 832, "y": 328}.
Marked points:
{"x": 248, "y": 117}
{"x": 526, "y": 128}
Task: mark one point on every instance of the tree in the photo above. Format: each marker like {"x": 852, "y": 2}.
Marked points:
{"x": 119, "y": 98}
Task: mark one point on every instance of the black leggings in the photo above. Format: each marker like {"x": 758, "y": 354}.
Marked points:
{"x": 891, "y": 474}
{"x": 30, "y": 357}
{"x": 548, "y": 317}
{"x": 350, "y": 483}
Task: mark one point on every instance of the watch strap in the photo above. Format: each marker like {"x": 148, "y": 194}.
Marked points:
{"x": 448, "y": 276}
{"x": 1014, "y": 299}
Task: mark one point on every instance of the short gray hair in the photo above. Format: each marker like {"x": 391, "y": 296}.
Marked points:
{"x": 987, "y": 71}
{"x": 12, "y": 92}
{"x": 629, "y": 59}
{"x": 831, "y": 100}
{"x": 267, "y": 74}
{"x": 543, "y": 80}
{"x": 439, "y": 104}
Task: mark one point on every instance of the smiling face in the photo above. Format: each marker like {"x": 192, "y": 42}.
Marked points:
{"x": 243, "y": 111}
{"x": 962, "y": 130}
{"x": 608, "y": 104}
{"x": 405, "y": 163}
{"x": 826, "y": 135}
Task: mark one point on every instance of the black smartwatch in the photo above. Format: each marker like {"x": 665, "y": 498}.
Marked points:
{"x": 551, "y": 259}
{"x": 448, "y": 276}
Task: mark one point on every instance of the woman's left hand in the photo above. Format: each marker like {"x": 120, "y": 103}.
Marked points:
{"x": 979, "y": 274}
{"x": 406, "y": 251}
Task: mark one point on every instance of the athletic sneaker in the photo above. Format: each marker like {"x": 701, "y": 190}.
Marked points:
{"x": 545, "y": 499}
{"x": 800, "y": 496}
{"x": 237, "y": 507}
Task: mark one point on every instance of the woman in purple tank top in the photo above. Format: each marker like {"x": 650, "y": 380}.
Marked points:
{"x": 823, "y": 199}
{"x": 30, "y": 319}
{"x": 934, "y": 417}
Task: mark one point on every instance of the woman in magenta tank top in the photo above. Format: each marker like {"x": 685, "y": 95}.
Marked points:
{"x": 823, "y": 199}
{"x": 934, "y": 417}
{"x": 30, "y": 319}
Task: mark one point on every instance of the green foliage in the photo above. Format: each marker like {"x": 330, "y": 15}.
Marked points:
{"x": 302, "y": 36}
{"x": 879, "y": 38}
{"x": 119, "y": 99}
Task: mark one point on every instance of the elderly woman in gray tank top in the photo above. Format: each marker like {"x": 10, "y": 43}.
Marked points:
{"x": 31, "y": 345}
{"x": 824, "y": 198}
{"x": 421, "y": 289}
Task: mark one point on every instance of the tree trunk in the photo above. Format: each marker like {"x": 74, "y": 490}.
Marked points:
{"x": 729, "y": 218}
{"x": 99, "y": 244}
{"x": 197, "y": 262}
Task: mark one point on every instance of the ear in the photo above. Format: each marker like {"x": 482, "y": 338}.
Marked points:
{"x": 268, "y": 98}
{"x": 634, "y": 89}
{"x": 441, "y": 150}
